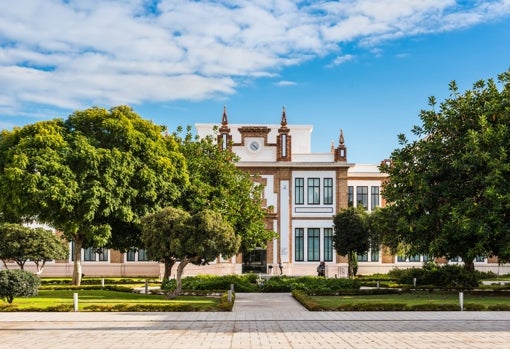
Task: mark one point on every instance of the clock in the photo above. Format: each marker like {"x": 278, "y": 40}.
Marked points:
{"x": 254, "y": 146}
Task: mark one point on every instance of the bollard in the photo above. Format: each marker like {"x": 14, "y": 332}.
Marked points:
{"x": 229, "y": 296}
{"x": 377, "y": 284}
{"x": 232, "y": 287}
{"x": 461, "y": 301}
{"x": 75, "y": 301}
{"x": 414, "y": 282}
{"x": 102, "y": 282}
{"x": 146, "y": 286}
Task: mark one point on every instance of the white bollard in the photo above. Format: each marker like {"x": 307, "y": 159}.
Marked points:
{"x": 461, "y": 301}
{"x": 102, "y": 282}
{"x": 75, "y": 301}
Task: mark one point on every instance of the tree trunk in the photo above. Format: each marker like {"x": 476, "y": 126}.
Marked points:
{"x": 39, "y": 266}
{"x": 169, "y": 263}
{"x": 78, "y": 244}
{"x": 180, "y": 269}
{"x": 469, "y": 265}
{"x": 353, "y": 264}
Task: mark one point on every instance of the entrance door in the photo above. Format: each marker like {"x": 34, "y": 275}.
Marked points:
{"x": 255, "y": 262}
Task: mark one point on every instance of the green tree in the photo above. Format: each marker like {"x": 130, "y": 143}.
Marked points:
{"x": 216, "y": 183}
{"x": 197, "y": 239}
{"x": 90, "y": 176}
{"x": 352, "y": 235}
{"x": 21, "y": 244}
{"x": 18, "y": 283}
{"x": 161, "y": 235}
{"x": 448, "y": 189}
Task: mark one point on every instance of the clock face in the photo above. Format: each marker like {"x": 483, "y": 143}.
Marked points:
{"x": 254, "y": 146}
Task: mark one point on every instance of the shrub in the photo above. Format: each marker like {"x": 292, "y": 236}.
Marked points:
{"x": 242, "y": 283}
{"x": 499, "y": 307}
{"x": 372, "y": 307}
{"x": 17, "y": 283}
{"x": 448, "y": 276}
{"x": 309, "y": 284}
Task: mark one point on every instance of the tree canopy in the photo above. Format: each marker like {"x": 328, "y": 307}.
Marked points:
{"x": 91, "y": 176}
{"x": 172, "y": 234}
{"x": 449, "y": 188}
{"x": 21, "y": 244}
{"x": 352, "y": 235}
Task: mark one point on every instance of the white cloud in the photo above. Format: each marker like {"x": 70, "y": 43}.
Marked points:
{"x": 341, "y": 60}
{"x": 286, "y": 83}
{"x": 77, "y": 53}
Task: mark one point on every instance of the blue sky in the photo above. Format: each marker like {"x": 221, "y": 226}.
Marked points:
{"x": 364, "y": 66}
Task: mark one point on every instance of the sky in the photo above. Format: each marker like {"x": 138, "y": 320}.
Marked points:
{"x": 364, "y": 66}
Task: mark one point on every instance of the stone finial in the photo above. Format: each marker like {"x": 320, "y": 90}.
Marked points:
{"x": 341, "y": 137}
{"x": 284, "y": 117}
{"x": 224, "y": 119}
{"x": 332, "y": 149}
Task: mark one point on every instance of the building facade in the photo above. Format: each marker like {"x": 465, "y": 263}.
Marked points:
{"x": 302, "y": 192}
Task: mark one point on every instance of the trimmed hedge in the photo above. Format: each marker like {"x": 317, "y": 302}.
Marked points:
{"x": 447, "y": 276}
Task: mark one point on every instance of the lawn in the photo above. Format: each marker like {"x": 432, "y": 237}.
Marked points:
{"x": 112, "y": 300}
{"x": 411, "y": 299}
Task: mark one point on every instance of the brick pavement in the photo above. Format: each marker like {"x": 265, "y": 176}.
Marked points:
{"x": 258, "y": 321}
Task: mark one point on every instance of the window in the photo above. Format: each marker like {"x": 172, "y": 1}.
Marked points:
{"x": 299, "y": 191}
{"x": 374, "y": 196}
{"x": 350, "y": 196}
{"x": 455, "y": 259}
{"x": 415, "y": 258}
{"x": 328, "y": 244}
{"x": 284, "y": 145}
{"x": 401, "y": 258}
{"x": 328, "y": 191}
{"x": 480, "y": 259}
{"x": 314, "y": 186}
{"x": 142, "y": 255}
{"x": 131, "y": 255}
{"x": 102, "y": 255}
{"x": 313, "y": 244}
{"x": 363, "y": 257}
{"x": 374, "y": 255}
{"x": 91, "y": 254}
{"x": 134, "y": 255}
{"x": 299, "y": 244}
{"x": 362, "y": 196}
{"x": 426, "y": 258}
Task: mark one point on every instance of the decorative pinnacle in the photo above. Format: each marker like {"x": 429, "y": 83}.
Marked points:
{"x": 341, "y": 137}
{"x": 284, "y": 117}
{"x": 224, "y": 120}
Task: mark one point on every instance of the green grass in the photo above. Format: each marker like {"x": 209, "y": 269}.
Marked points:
{"x": 101, "y": 299}
{"x": 410, "y": 299}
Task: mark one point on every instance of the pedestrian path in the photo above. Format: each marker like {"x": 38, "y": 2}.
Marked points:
{"x": 266, "y": 302}
{"x": 261, "y": 320}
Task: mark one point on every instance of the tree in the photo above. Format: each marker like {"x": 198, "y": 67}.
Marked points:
{"x": 218, "y": 184}
{"x": 197, "y": 239}
{"x": 352, "y": 235}
{"x": 18, "y": 283}
{"x": 21, "y": 244}
{"x": 161, "y": 233}
{"x": 449, "y": 188}
{"x": 90, "y": 176}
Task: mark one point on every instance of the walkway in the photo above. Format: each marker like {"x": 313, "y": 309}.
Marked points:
{"x": 258, "y": 321}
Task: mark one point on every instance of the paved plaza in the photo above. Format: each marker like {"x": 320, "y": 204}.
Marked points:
{"x": 258, "y": 321}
